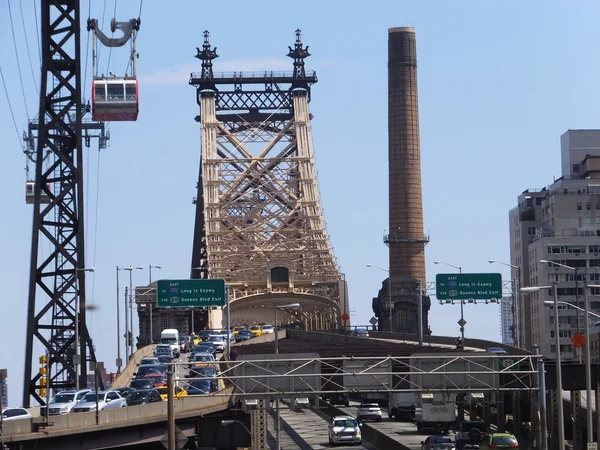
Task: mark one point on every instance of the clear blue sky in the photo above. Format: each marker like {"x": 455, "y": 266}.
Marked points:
{"x": 499, "y": 82}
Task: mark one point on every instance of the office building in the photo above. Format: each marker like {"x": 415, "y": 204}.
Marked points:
{"x": 506, "y": 320}
{"x": 560, "y": 222}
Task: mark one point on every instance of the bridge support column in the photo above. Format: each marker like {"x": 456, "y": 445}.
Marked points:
{"x": 597, "y": 414}
{"x": 500, "y": 415}
{"x": 553, "y": 425}
{"x": 516, "y": 408}
{"x": 578, "y": 419}
{"x": 486, "y": 408}
{"x": 460, "y": 403}
{"x": 258, "y": 421}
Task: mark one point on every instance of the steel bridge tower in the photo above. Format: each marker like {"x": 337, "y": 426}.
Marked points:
{"x": 259, "y": 221}
{"x": 57, "y": 283}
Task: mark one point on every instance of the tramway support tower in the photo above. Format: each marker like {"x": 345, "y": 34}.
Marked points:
{"x": 259, "y": 221}
{"x": 57, "y": 281}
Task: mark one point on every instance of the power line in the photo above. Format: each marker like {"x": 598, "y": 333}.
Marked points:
{"x": 112, "y": 34}
{"x": 37, "y": 29}
{"x": 12, "y": 27}
{"x": 27, "y": 45}
{"x": 10, "y": 106}
{"x": 140, "y": 13}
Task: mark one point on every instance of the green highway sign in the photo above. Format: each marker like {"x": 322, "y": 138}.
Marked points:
{"x": 190, "y": 293}
{"x": 468, "y": 286}
{"x": 508, "y": 363}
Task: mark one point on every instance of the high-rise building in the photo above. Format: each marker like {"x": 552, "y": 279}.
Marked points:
{"x": 560, "y": 222}
{"x": 4, "y": 383}
{"x": 506, "y": 320}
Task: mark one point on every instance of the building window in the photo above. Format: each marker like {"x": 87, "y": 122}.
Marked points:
{"x": 165, "y": 321}
{"x": 403, "y": 319}
{"x": 553, "y": 348}
{"x": 579, "y": 206}
{"x": 575, "y": 168}
{"x": 588, "y": 206}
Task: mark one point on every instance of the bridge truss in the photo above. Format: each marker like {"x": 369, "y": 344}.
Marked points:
{"x": 259, "y": 221}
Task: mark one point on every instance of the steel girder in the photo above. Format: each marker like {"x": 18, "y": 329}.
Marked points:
{"x": 261, "y": 203}
{"x": 55, "y": 282}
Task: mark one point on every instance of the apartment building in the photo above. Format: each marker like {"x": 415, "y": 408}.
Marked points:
{"x": 561, "y": 223}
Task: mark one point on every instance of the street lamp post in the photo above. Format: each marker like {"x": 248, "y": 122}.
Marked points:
{"x": 128, "y": 341}
{"x": 559, "y": 412}
{"x": 77, "y": 358}
{"x": 588, "y": 364}
{"x": 389, "y": 293}
{"x": 293, "y": 306}
{"x": 150, "y": 267}
{"x": 516, "y": 302}
{"x": 462, "y": 311}
{"x": 226, "y": 423}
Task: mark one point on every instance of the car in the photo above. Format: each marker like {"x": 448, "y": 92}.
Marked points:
{"x": 204, "y": 334}
{"x": 206, "y": 372}
{"x": 344, "y": 429}
{"x": 15, "y": 413}
{"x": 470, "y": 433}
{"x": 158, "y": 379}
{"x": 219, "y": 341}
{"x": 204, "y": 347}
{"x": 203, "y": 359}
{"x": 236, "y": 330}
{"x": 104, "y": 400}
{"x": 497, "y": 350}
{"x": 165, "y": 359}
{"x": 360, "y": 332}
{"x": 256, "y": 330}
{"x": 337, "y": 399}
{"x": 141, "y": 383}
{"x": 143, "y": 397}
{"x": 185, "y": 345}
{"x": 268, "y": 329}
{"x": 125, "y": 391}
{"x": 199, "y": 386}
{"x": 163, "y": 348}
{"x": 178, "y": 392}
{"x": 370, "y": 411}
{"x": 499, "y": 441}
{"x": 148, "y": 360}
{"x": 243, "y": 335}
{"x": 150, "y": 368}
{"x": 437, "y": 443}
{"x": 63, "y": 402}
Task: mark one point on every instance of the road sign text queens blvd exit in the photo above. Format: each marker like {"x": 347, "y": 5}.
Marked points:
{"x": 467, "y": 286}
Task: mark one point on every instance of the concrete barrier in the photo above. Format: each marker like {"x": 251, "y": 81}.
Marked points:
{"x": 264, "y": 338}
{"x": 74, "y": 423}
{"x": 125, "y": 377}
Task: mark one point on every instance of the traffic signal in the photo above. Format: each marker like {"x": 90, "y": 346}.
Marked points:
{"x": 43, "y": 375}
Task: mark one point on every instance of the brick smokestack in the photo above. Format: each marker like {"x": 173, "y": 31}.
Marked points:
{"x": 406, "y": 239}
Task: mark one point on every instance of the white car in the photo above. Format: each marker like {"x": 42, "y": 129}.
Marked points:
{"x": 63, "y": 402}
{"x": 106, "y": 400}
{"x": 14, "y": 413}
{"x": 268, "y": 329}
{"x": 370, "y": 411}
{"x": 219, "y": 341}
{"x": 344, "y": 429}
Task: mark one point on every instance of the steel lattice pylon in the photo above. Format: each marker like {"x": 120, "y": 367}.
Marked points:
{"x": 54, "y": 279}
{"x": 259, "y": 220}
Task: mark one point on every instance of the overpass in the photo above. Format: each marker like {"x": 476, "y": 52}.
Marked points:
{"x": 141, "y": 425}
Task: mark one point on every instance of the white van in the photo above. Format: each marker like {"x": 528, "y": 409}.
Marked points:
{"x": 171, "y": 336}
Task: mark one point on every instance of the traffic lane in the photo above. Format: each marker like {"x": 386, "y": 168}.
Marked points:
{"x": 311, "y": 428}
{"x": 404, "y": 432}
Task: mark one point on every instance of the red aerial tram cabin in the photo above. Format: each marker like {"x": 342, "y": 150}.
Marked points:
{"x": 115, "y": 100}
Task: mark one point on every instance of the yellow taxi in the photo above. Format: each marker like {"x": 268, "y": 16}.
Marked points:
{"x": 196, "y": 340}
{"x": 256, "y": 330}
{"x": 178, "y": 392}
{"x": 236, "y": 330}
